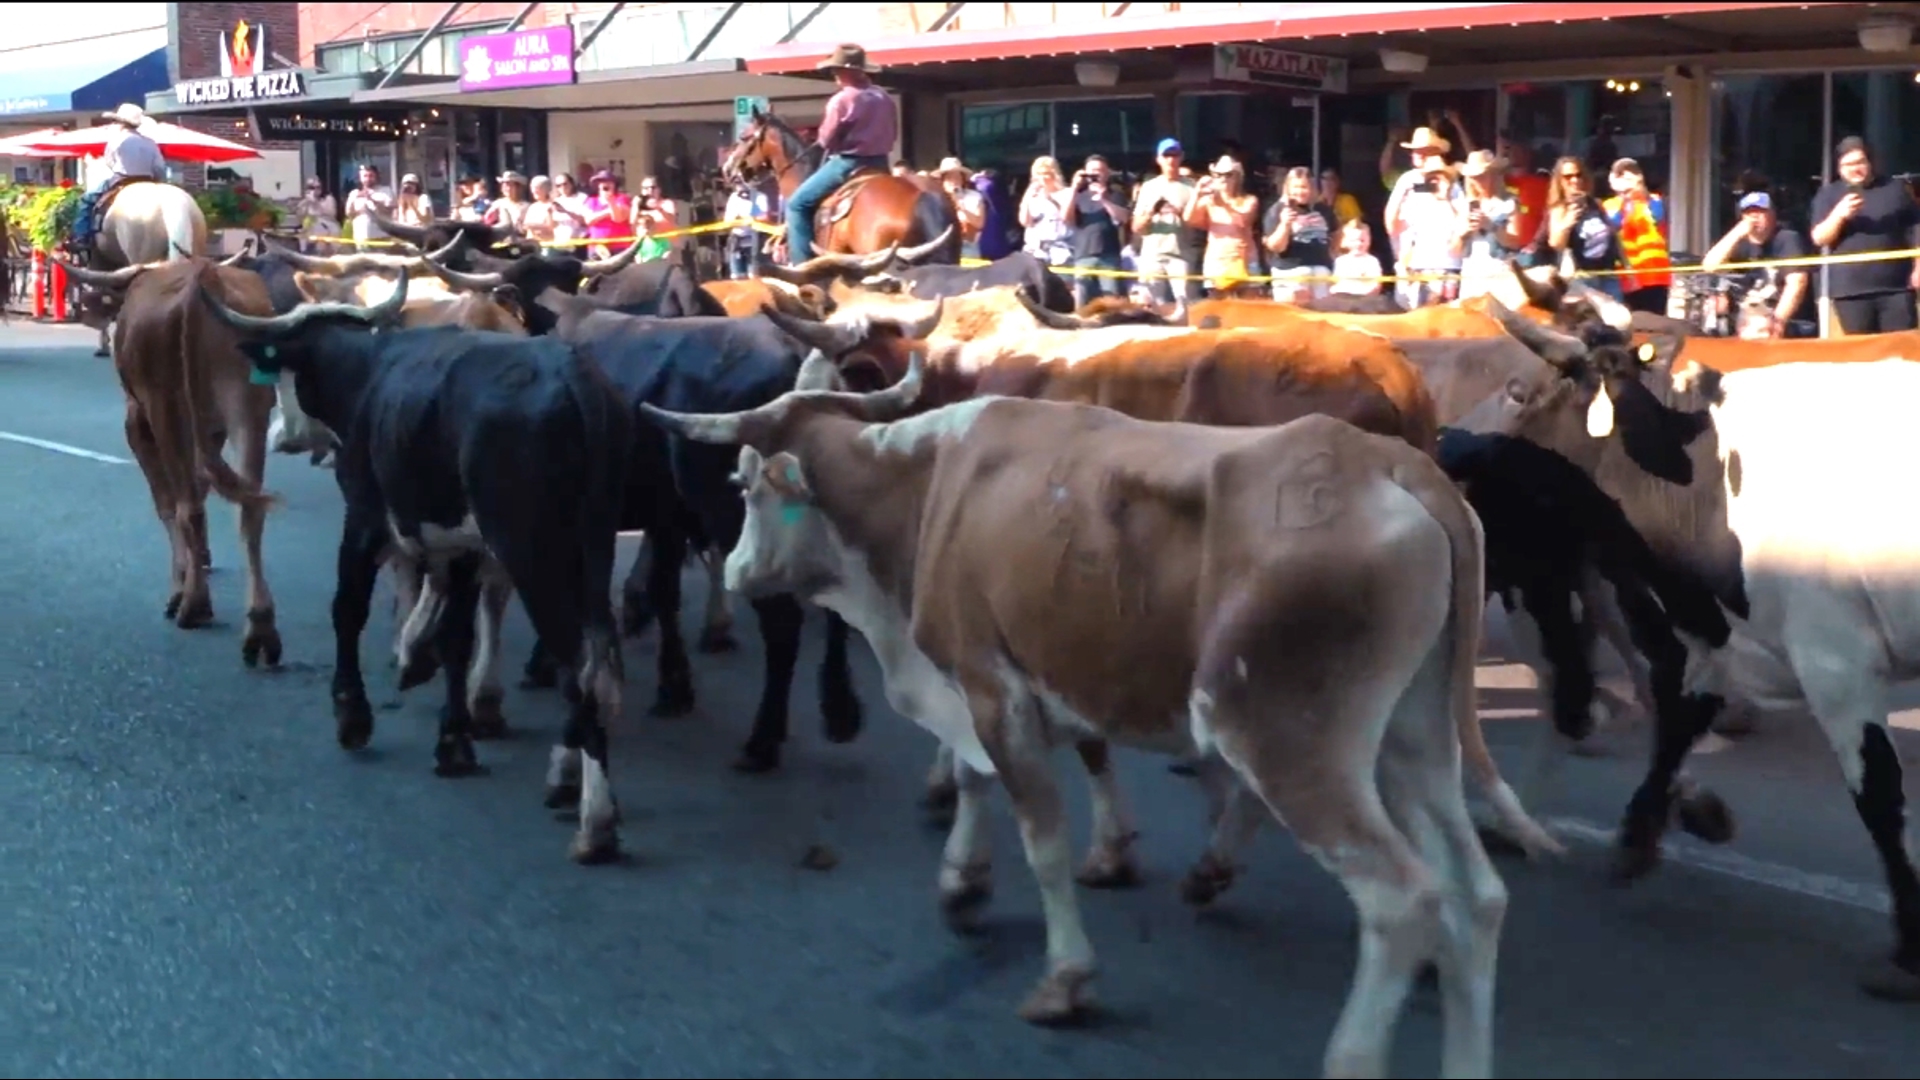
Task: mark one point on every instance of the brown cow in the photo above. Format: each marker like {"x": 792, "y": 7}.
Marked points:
{"x": 190, "y": 394}
{"x": 746, "y": 296}
{"x": 985, "y": 549}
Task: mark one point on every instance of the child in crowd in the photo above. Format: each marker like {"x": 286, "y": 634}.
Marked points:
{"x": 1355, "y": 271}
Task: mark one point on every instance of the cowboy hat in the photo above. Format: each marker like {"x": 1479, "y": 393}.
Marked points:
{"x": 130, "y": 115}
{"x": 511, "y": 177}
{"x": 950, "y": 165}
{"x": 601, "y": 177}
{"x": 847, "y": 56}
{"x": 1226, "y": 166}
{"x": 1425, "y": 139}
{"x": 1481, "y": 162}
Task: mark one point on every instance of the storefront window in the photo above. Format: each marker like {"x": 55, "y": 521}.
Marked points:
{"x": 1005, "y": 138}
{"x": 1881, "y": 107}
{"x": 1771, "y": 129}
{"x": 1120, "y": 131}
{"x": 1537, "y": 119}
{"x": 1269, "y": 127}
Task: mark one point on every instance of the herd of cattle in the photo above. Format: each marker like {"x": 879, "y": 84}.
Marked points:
{"x": 1254, "y": 536}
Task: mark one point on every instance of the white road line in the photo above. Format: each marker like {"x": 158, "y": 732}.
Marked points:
{"x": 62, "y": 448}
{"x": 1686, "y": 851}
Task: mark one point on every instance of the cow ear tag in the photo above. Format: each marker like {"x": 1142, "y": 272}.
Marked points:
{"x": 1600, "y": 415}
{"x": 264, "y": 378}
{"x": 1647, "y": 352}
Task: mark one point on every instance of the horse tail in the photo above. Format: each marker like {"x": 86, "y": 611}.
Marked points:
{"x": 934, "y": 213}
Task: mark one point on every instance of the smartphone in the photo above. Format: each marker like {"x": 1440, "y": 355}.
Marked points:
{"x": 1473, "y": 204}
{"x": 1855, "y": 189}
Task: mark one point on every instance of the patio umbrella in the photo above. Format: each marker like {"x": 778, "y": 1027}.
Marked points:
{"x": 176, "y": 143}
{"x": 22, "y": 145}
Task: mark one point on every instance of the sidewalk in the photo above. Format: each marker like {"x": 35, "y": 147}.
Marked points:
{"x": 23, "y": 332}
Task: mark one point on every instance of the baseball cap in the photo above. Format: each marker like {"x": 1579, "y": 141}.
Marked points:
{"x": 1168, "y": 146}
{"x": 1755, "y": 200}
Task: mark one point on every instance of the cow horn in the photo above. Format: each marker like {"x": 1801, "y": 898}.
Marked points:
{"x": 818, "y": 373}
{"x": 1047, "y": 317}
{"x": 723, "y": 428}
{"x": 277, "y": 326}
{"x": 234, "y": 259}
{"x": 745, "y": 427}
{"x": 885, "y": 406}
{"x": 300, "y": 260}
{"x": 832, "y": 338}
{"x": 1550, "y": 345}
{"x": 913, "y": 255}
{"x": 1611, "y": 311}
{"x": 461, "y": 279}
{"x": 412, "y": 234}
{"x": 1545, "y": 295}
{"x": 918, "y": 329}
{"x": 103, "y": 279}
{"x": 597, "y": 267}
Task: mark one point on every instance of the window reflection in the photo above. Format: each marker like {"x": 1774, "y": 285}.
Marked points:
{"x": 1008, "y": 137}
{"x": 1880, "y": 106}
{"x": 1598, "y": 120}
{"x": 1768, "y": 132}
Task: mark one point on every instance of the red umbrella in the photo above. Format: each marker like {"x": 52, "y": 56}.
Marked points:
{"x": 23, "y": 145}
{"x": 176, "y": 143}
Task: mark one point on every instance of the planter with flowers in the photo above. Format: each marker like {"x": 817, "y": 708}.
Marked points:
{"x": 233, "y": 214}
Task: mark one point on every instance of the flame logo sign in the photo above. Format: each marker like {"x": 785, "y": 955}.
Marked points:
{"x": 243, "y": 49}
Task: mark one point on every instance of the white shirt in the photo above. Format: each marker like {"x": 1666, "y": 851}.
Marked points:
{"x": 1356, "y": 275}
{"x": 129, "y": 153}
{"x": 362, "y": 205}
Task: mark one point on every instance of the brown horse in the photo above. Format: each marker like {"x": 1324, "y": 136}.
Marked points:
{"x": 871, "y": 211}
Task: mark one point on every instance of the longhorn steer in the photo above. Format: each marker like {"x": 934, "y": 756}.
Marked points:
{"x": 174, "y": 363}
{"x": 465, "y": 448}
{"x": 984, "y": 550}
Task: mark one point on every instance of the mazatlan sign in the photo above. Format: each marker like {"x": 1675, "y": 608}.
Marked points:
{"x": 243, "y": 75}
{"x": 1263, "y": 66}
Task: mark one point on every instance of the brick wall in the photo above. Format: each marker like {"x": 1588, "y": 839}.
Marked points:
{"x": 322, "y": 24}
{"x": 195, "y": 54}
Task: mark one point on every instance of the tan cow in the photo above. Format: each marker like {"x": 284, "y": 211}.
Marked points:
{"x": 189, "y": 396}
{"x": 1029, "y": 572}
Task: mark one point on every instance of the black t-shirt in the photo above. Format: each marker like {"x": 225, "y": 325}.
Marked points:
{"x": 1885, "y": 222}
{"x": 1312, "y": 243}
{"x": 1592, "y": 240}
{"x": 1095, "y": 234}
{"x": 1783, "y": 244}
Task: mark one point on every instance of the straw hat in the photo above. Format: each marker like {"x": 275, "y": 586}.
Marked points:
{"x": 1425, "y": 139}
{"x": 1482, "y": 162}
{"x": 130, "y": 115}
{"x": 951, "y": 165}
{"x": 1226, "y": 166}
{"x": 847, "y": 56}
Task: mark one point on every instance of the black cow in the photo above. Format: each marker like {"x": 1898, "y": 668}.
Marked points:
{"x": 531, "y": 275}
{"x": 435, "y": 235}
{"x": 479, "y": 453}
{"x": 657, "y": 287}
{"x": 901, "y": 273}
{"x": 711, "y": 365}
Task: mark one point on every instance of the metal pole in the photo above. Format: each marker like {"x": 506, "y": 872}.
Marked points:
{"x": 521, "y": 18}
{"x": 414, "y": 53}
{"x": 599, "y": 28}
{"x": 1825, "y": 308}
{"x": 946, "y": 17}
{"x": 718, "y": 25}
{"x": 794, "y": 30}
{"x": 1316, "y": 140}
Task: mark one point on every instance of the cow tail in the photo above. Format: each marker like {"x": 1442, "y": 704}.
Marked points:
{"x": 210, "y": 468}
{"x": 1467, "y": 540}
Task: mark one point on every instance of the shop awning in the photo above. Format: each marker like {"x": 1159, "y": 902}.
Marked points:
{"x": 85, "y": 76}
{"x": 1253, "y": 22}
{"x": 700, "y": 82}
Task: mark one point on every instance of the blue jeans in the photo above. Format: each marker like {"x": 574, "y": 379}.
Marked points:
{"x": 83, "y": 221}
{"x": 814, "y": 190}
{"x": 740, "y": 255}
{"x": 1088, "y": 286}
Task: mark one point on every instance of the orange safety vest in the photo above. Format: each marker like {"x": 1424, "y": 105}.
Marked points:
{"x": 1642, "y": 248}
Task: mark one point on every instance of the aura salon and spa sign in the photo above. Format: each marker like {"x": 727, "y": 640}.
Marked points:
{"x": 244, "y": 77}
{"x": 542, "y": 57}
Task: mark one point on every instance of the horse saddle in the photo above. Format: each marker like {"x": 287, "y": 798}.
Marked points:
{"x": 840, "y": 203}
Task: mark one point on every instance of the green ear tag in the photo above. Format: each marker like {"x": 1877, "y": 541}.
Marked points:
{"x": 791, "y": 513}
{"x": 264, "y": 378}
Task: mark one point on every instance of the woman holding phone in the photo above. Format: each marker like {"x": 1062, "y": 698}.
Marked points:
{"x": 1577, "y": 228}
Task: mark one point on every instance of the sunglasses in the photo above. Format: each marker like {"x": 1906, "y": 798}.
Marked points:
{"x": 1580, "y": 176}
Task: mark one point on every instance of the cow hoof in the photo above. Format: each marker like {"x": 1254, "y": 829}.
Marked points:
{"x": 674, "y": 699}
{"x": 635, "y": 617}
{"x": 1705, "y": 815}
{"x": 353, "y": 722}
{"x": 420, "y": 668}
{"x": 539, "y": 677}
{"x": 262, "y": 641}
{"x": 756, "y": 759}
{"x": 1063, "y": 997}
{"x": 563, "y": 796}
{"x": 1205, "y": 882}
{"x": 841, "y": 712}
{"x": 1109, "y": 866}
{"x": 716, "y": 639}
{"x": 941, "y": 801}
{"x": 1631, "y": 863}
{"x": 1888, "y": 980}
{"x": 963, "y": 899}
{"x": 489, "y": 722}
{"x": 194, "y": 613}
{"x": 1184, "y": 768}
{"x": 595, "y": 846}
{"x": 453, "y": 758}
{"x": 173, "y": 606}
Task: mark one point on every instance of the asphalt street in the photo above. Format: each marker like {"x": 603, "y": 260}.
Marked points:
{"x": 196, "y": 881}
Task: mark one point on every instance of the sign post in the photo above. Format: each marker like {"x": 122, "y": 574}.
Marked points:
{"x": 743, "y": 108}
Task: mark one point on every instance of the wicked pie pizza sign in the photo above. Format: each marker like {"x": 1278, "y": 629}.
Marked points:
{"x": 244, "y": 76}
